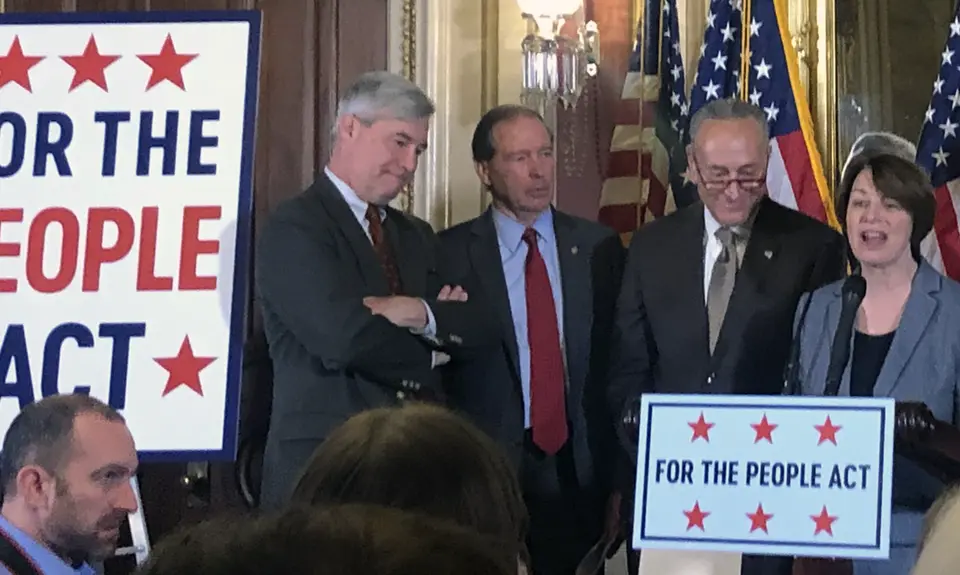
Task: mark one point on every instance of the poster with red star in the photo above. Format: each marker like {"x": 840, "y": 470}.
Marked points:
{"x": 126, "y": 158}
{"x": 768, "y": 475}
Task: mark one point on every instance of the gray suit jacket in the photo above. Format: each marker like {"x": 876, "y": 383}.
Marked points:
{"x": 923, "y": 365}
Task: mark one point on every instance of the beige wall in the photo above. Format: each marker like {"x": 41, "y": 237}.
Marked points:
{"x": 441, "y": 44}
{"x": 466, "y": 54}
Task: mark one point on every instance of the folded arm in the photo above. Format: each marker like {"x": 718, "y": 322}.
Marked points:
{"x": 300, "y": 279}
{"x": 465, "y": 324}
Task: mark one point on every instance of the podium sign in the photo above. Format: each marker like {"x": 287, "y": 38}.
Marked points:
{"x": 768, "y": 475}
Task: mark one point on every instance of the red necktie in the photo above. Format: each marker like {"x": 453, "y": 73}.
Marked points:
{"x": 382, "y": 248}
{"x": 548, "y": 411}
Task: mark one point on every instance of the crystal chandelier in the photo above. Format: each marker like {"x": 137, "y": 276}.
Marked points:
{"x": 556, "y": 66}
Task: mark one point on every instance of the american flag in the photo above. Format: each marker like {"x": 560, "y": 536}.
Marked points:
{"x": 647, "y": 148}
{"x": 938, "y": 151}
{"x": 795, "y": 176}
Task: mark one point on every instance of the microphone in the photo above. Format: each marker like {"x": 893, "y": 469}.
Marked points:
{"x": 791, "y": 374}
{"x": 851, "y": 294}
{"x": 791, "y": 371}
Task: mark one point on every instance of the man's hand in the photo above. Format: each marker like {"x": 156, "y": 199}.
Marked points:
{"x": 401, "y": 311}
{"x": 439, "y": 359}
{"x": 452, "y": 293}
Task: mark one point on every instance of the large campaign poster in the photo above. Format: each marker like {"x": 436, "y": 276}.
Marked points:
{"x": 126, "y": 157}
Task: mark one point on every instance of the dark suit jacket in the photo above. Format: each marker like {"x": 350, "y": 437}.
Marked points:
{"x": 487, "y": 387}
{"x": 661, "y": 338}
{"x": 332, "y": 358}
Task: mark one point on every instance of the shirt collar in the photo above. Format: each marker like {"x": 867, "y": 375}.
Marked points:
{"x": 510, "y": 231}
{"x": 711, "y": 225}
{"x": 356, "y": 205}
{"x": 39, "y": 553}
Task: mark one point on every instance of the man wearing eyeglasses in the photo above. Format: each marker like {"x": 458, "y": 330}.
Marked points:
{"x": 709, "y": 292}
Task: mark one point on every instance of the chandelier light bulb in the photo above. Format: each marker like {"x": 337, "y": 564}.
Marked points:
{"x": 552, "y": 8}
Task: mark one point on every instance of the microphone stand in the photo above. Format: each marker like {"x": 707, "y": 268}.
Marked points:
{"x": 851, "y": 294}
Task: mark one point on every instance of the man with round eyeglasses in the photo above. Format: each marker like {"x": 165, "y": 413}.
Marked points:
{"x": 709, "y": 292}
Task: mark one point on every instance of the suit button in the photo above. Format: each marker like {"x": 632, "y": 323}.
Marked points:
{"x": 401, "y": 396}
{"x": 455, "y": 339}
{"x": 416, "y": 386}
{"x": 710, "y": 379}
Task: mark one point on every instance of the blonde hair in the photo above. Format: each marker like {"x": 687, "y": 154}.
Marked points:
{"x": 937, "y": 550}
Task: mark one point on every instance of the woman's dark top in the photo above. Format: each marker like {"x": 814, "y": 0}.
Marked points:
{"x": 869, "y": 351}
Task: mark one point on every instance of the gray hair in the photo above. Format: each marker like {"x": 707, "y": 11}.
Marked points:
{"x": 383, "y": 95}
{"x": 728, "y": 109}
{"x": 874, "y": 143}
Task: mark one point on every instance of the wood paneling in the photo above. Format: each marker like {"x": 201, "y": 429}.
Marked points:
{"x": 310, "y": 50}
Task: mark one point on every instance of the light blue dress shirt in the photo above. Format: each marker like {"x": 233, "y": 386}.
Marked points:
{"x": 43, "y": 558}
{"x": 359, "y": 209}
{"x": 513, "y": 256}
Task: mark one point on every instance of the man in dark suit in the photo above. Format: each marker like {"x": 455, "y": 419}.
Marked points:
{"x": 710, "y": 291}
{"x": 551, "y": 280}
{"x": 355, "y": 310}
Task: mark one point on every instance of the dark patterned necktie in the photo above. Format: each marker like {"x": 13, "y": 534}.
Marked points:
{"x": 548, "y": 406}
{"x": 382, "y": 247}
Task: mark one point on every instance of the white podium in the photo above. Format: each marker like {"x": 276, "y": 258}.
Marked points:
{"x": 672, "y": 562}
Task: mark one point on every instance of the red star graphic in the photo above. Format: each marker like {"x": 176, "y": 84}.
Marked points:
{"x": 824, "y": 522}
{"x": 764, "y": 430}
{"x": 90, "y": 66}
{"x": 700, "y": 429}
{"x": 695, "y": 517}
{"x": 167, "y": 65}
{"x": 758, "y": 519}
{"x": 184, "y": 368}
{"x": 828, "y": 431}
{"x": 15, "y": 67}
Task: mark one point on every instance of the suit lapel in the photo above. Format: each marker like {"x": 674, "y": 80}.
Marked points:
{"x": 759, "y": 259}
{"x": 830, "y": 323}
{"x": 406, "y": 245}
{"x": 575, "y": 281}
{"x": 484, "y": 253}
{"x": 345, "y": 220}
{"x": 688, "y": 260}
{"x": 919, "y": 310}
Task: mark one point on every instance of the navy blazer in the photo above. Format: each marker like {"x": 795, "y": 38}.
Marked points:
{"x": 923, "y": 365}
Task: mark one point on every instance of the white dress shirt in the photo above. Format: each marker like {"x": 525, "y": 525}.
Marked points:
{"x": 711, "y": 250}
{"x": 712, "y": 247}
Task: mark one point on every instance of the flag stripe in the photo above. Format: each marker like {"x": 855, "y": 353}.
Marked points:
{"x": 825, "y": 207}
{"x": 945, "y": 226}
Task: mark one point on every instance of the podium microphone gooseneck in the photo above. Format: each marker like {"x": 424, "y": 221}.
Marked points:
{"x": 851, "y": 294}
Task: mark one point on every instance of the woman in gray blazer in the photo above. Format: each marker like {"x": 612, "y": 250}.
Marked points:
{"x": 906, "y": 340}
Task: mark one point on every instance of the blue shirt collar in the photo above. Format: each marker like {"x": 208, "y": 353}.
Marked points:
{"x": 42, "y": 557}
{"x": 510, "y": 231}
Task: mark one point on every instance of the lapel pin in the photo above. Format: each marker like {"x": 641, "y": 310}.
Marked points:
{"x": 574, "y": 250}
{"x": 768, "y": 254}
